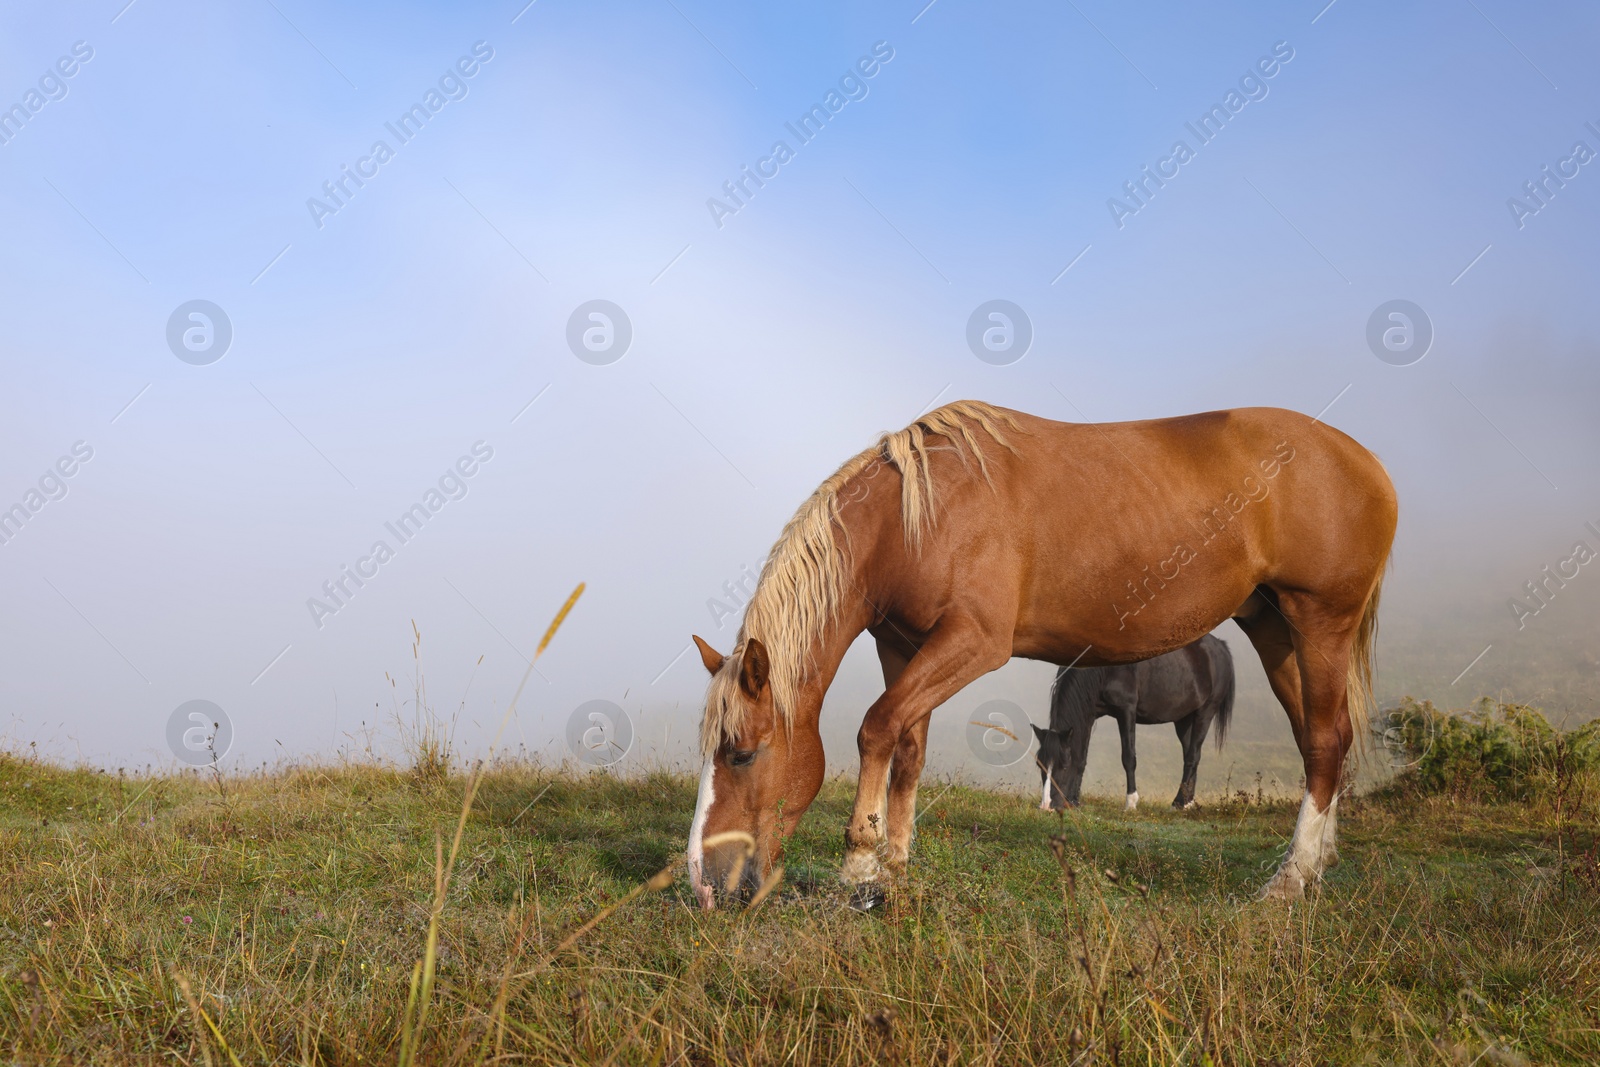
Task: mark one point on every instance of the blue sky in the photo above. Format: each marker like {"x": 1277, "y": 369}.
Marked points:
{"x": 372, "y": 352}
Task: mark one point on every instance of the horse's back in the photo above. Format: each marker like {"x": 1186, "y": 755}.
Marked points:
{"x": 1199, "y": 454}
{"x": 1190, "y": 514}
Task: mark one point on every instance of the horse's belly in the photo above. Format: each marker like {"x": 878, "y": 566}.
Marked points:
{"x": 1097, "y": 631}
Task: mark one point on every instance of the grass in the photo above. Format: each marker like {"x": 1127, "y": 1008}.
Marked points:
{"x": 282, "y": 917}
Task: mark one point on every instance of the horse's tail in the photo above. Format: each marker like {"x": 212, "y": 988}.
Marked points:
{"x": 1358, "y": 683}
{"x": 1223, "y": 697}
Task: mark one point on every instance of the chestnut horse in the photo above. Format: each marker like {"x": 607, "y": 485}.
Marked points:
{"x": 977, "y": 534}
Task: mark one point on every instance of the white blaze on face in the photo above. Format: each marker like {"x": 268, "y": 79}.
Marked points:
{"x": 1044, "y": 795}
{"x": 697, "y": 836}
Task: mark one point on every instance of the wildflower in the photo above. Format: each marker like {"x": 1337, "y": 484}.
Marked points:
{"x": 187, "y": 919}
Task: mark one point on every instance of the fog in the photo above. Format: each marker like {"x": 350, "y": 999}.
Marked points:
{"x": 382, "y": 332}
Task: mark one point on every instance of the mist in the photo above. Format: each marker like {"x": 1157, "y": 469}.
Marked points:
{"x": 385, "y": 336}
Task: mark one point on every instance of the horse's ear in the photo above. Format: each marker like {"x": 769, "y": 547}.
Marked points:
{"x": 754, "y": 668}
{"x": 708, "y": 655}
{"x": 1038, "y": 732}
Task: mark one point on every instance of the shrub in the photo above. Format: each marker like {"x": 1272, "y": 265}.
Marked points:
{"x": 1494, "y": 750}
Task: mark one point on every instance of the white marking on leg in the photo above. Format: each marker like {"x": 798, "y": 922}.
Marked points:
{"x": 861, "y": 864}
{"x": 697, "y": 836}
{"x": 1133, "y": 801}
{"x": 1313, "y": 838}
{"x": 1330, "y": 835}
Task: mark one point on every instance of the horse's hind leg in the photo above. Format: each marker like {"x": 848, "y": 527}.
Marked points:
{"x": 1322, "y": 641}
{"x": 1191, "y": 731}
{"x": 1264, "y": 624}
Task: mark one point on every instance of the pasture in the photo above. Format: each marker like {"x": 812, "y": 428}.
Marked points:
{"x": 279, "y": 917}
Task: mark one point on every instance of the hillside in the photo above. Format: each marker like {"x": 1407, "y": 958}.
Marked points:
{"x": 277, "y": 918}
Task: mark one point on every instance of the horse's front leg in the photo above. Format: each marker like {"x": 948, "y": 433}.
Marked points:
{"x": 904, "y": 774}
{"x": 906, "y": 768}
{"x": 958, "y": 651}
{"x": 1130, "y": 760}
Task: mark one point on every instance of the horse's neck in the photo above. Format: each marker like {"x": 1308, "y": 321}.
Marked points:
{"x": 827, "y": 650}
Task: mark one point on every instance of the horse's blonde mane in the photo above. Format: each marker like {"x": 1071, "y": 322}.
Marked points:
{"x": 802, "y": 581}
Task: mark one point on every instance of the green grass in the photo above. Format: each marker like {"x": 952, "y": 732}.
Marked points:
{"x": 294, "y": 906}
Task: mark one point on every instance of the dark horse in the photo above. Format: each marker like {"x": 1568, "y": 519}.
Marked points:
{"x": 1191, "y": 687}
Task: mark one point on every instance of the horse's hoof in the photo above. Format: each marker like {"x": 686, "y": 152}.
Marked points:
{"x": 1133, "y": 802}
{"x": 859, "y": 868}
{"x": 1287, "y": 884}
{"x": 865, "y": 897}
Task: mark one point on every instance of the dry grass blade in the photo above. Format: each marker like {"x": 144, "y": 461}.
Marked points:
{"x": 555, "y": 624}
{"x": 995, "y": 726}
{"x": 194, "y": 1016}
{"x": 767, "y": 887}
{"x": 731, "y": 837}
{"x": 198, "y": 1016}
{"x": 658, "y": 881}
{"x": 495, "y": 1023}
{"x": 665, "y": 879}
{"x": 413, "y": 1024}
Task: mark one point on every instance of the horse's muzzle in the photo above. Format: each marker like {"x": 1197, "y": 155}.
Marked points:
{"x": 727, "y": 867}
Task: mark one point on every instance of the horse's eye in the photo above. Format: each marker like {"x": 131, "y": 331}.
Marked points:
{"x": 741, "y": 759}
